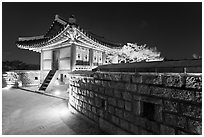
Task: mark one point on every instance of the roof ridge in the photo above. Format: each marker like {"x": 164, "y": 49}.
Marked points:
{"x": 60, "y": 19}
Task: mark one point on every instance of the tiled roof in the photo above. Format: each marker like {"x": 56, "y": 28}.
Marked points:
{"x": 58, "y": 25}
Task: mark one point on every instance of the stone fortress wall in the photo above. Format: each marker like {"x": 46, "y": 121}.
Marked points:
{"x": 142, "y": 102}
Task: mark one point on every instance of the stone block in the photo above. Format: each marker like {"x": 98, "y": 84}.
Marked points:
{"x": 98, "y": 102}
{"x": 134, "y": 129}
{"x": 127, "y": 96}
{"x": 181, "y": 122}
{"x": 194, "y": 82}
{"x": 89, "y": 107}
{"x": 93, "y": 109}
{"x": 119, "y": 113}
{"x": 91, "y": 94}
{"x": 90, "y": 115}
{"x": 112, "y": 101}
{"x": 137, "y": 108}
{"x": 117, "y": 85}
{"x": 195, "y": 126}
{"x": 109, "y": 91}
{"x": 107, "y": 76}
{"x": 115, "y": 120}
{"x": 128, "y": 116}
{"x": 154, "y": 127}
{"x": 172, "y": 80}
{"x": 97, "y": 82}
{"x": 121, "y": 104}
{"x": 124, "y": 124}
{"x": 143, "y": 89}
{"x": 105, "y": 84}
{"x": 161, "y": 92}
{"x": 116, "y": 77}
{"x": 101, "y": 90}
{"x": 145, "y": 132}
{"x": 198, "y": 96}
{"x": 191, "y": 110}
{"x": 170, "y": 106}
{"x": 170, "y": 119}
{"x": 117, "y": 93}
{"x": 91, "y": 101}
{"x": 152, "y": 79}
{"x": 136, "y": 78}
{"x": 96, "y": 118}
{"x": 111, "y": 109}
{"x": 131, "y": 87}
{"x": 165, "y": 130}
{"x": 126, "y": 78}
{"x": 183, "y": 95}
{"x": 128, "y": 106}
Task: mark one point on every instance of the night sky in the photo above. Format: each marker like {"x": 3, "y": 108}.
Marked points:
{"x": 174, "y": 28}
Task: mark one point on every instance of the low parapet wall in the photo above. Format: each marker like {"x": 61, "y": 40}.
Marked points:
{"x": 23, "y": 77}
{"x": 141, "y": 102}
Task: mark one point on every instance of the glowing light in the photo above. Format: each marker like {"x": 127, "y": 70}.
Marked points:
{"x": 57, "y": 92}
{"x": 8, "y": 87}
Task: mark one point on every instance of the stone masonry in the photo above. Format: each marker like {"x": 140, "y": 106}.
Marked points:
{"x": 140, "y": 103}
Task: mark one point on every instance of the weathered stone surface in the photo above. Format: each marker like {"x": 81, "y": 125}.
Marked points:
{"x": 152, "y": 79}
{"x": 119, "y": 113}
{"x": 116, "y": 77}
{"x": 127, "y": 96}
{"x": 101, "y": 90}
{"x": 124, "y": 124}
{"x": 126, "y": 78}
{"x": 117, "y": 85}
{"x": 121, "y": 104}
{"x": 107, "y": 76}
{"x": 98, "y": 102}
{"x": 143, "y": 89}
{"x": 183, "y": 95}
{"x": 137, "y": 108}
{"x": 191, "y": 111}
{"x": 97, "y": 82}
{"x": 195, "y": 126}
{"x": 181, "y": 122}
{"x": 136, "y": 78}
{"x": 112, "y": 101}
{"x": 93, "y": 109}
{"x": 194, "y": 82}
{"x": 91, "y": 94}
{"x": 128, "y": 106}
{"x": 154, "y": 127}
{"x": 131, "y": 87}
{"x": 134, "y": 129}
{"x": 198, "y": 96}
{"x": 170, "y": 119}
{"x": 109, "y": 91}
{"x": 117, "y": 93}
{"x": 128, "y": 116}
{"x": 115, "y": 120}
{"x": 171, "y": 106}
{"x": 172, "y": 80}
{"x": 111, "y": 109}
{"x": 165, "y": 130}
{"x": 182, "y": 132}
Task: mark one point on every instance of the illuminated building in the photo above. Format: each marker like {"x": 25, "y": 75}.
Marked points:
{"x": 66, "y": 47}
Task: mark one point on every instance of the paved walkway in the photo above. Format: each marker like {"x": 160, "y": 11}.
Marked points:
{"x": 28, "y": 113}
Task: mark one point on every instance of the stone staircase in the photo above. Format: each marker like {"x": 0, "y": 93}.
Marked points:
{"x": 47, "y": 80}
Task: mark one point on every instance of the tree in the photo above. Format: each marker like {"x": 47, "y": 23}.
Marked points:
{"x": 134, "y": 53}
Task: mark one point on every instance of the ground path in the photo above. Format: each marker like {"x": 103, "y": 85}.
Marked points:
{"x": 27, "y": 113}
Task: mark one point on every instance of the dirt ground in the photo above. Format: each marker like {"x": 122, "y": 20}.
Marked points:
{"x": 28, "y": 113}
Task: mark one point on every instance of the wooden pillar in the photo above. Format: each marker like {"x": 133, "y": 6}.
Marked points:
{"x": 73, "y": 56}
{"x": 41, "y": 66}
{"x": 91, "y": 57}
{"x": 103, "y": 57}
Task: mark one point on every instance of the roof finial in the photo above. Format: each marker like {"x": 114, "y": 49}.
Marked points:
{"x": 72, "y": 20}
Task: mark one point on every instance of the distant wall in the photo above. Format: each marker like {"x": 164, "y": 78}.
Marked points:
{"x": 26, "y": 77}
{"x": 140, "y": 103}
